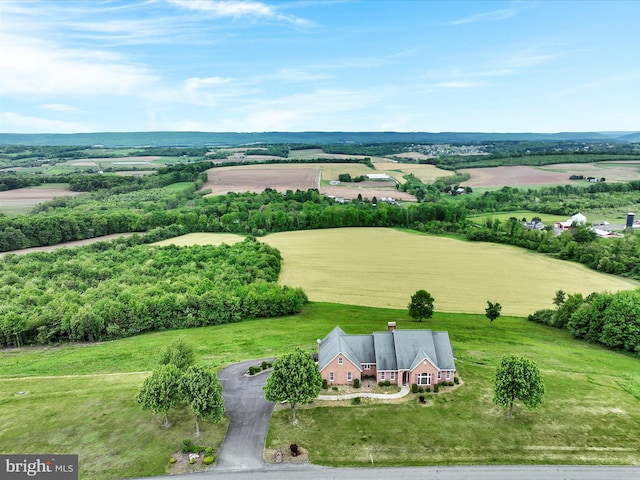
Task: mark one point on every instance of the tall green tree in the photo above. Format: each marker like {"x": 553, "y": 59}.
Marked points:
{"x": 178, "y": 353}
{"x": 421, "y": 305}
{"x": 295, "y": 379}
{"x": 518, "y": 378}
{"x": 161, "y": 391}
{"x": 201, "y": 389}
{"x": 492, "y": 311}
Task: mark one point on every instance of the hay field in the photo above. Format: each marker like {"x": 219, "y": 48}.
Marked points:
{"x": 382, "y": 267}
{"x": 425, "y": 172}
{"x": 202, "y": 239}
{"x": 22, "y": 200}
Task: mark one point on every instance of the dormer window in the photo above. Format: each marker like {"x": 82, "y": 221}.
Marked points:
{"x": 339, "y": 360}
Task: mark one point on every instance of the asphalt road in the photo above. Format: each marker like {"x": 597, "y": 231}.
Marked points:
{"x": 240, "y": 457}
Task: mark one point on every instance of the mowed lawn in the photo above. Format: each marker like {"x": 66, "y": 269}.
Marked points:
{"x": 80, "y": 398}
{"x": 383, "y": 267}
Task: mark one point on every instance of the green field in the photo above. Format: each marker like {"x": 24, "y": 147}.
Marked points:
{"x": 79, "y": 399}
{"x": 382, "y": 267}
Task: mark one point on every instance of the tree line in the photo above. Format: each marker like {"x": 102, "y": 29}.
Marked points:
{"x": 609, "y": 319}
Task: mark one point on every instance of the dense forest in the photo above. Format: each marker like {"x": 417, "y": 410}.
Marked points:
{"x": 116, "y": 289}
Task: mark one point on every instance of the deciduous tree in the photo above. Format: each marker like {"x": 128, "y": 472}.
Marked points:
{"x": 161, "y": 391}
{"x": 295, "y": 379}
{"x": 492, "y": 311}
{"x": 518, "y": 378}
{"x": 178, "y": 353}
{"x": 421, "y": 305}
{"x": 201, "y": 389}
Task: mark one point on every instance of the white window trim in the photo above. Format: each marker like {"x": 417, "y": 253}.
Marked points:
{"x": 349, "y": 376}
{"x": 381, "y": 375}
{"x": 439, "y": 375}
{"x": 340, "y": 361}
{"x": 332, "y": 376}
{"x": 448, "y": 374}
{"x": 427, "y": 377}
{"x": 393, "y": 375}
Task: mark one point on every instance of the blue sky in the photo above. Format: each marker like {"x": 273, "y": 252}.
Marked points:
{"x": 251, "y": 66}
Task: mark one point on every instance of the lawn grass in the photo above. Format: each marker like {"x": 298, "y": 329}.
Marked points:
{"x": 80, "y": 398}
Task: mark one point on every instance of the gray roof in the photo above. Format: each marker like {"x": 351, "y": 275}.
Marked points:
{"x": 397, "y": 350}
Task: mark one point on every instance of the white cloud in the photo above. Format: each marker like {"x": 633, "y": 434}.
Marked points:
{"x": 238, "y": 9}
{"x": 455, "y": 84}
{"x": 58, "y": 107}
{"x": 482, "y": 17}
{"x": 11, "y": 122}
{"x": 29, "y": 66}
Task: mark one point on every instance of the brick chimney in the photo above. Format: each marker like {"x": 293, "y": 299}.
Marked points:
{"x": 391, "y": 326}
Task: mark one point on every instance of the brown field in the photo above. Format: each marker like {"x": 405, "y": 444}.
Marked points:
{"x": 425, "y": 172}
{"x": 368, "y": 190}
{"x": 551, "y": 174}
{"x": 22, "y": 200}
{"x": 256, "y": 179}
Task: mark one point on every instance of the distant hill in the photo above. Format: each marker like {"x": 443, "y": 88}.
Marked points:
{"x": 197, "y": 139}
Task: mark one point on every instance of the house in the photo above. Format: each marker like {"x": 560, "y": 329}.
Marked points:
{"x": 401, "y": 357}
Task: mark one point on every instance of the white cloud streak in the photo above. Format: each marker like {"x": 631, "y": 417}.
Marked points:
{"x": 485, "y": 17}
{"x": 238, "y": 9}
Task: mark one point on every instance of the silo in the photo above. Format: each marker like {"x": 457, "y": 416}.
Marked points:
{"x": 630, "y": 217}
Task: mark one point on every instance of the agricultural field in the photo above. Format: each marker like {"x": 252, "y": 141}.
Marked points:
{"x": 558, "y": 174}
{"x": 425, "y": 172}
{"x": 22, "y": 200}
{"x": 383, "y": 267}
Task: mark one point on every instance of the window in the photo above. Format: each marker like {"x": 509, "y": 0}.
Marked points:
{"x": 366, "y": 366}
{"x": 339, "y": 360}
{"x": 349, "y": 378}
{"x": 393, "y": 375}
{"x": 424, "y": 379}
{"x": 381, "y": 375}
{"x": 332, "y": 377}
{"x": 439, "y": 375}
{"x": 448, "y": 374}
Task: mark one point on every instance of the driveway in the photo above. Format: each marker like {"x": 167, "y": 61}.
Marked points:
{"x": 249, "y": 414}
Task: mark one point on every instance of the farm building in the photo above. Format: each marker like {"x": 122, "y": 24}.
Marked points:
{"x": 402, "y": 357}
{"x": 578, "y": 219}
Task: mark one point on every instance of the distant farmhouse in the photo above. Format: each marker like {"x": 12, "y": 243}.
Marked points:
{"x": 578, "y": 219}
{"x": 401, "y": 357}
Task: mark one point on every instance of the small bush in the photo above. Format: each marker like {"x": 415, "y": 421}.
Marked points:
{"x": 436, "y": 388}
{"x": 421, "y": 398}
{"x": 252, "y": 370}
{"x": 173, "y": 460}
{"x": 421, "y": 389}
{"x": 381, "y": 384}
{"x": 208, "y": 460}
{"x": 356, "y": 383}
{"x": 427, "y": 389}
{"x": 192, "y": 461}
{"x": 265, "y": 365}
{"x": 456, "y": 380}
{"x": 356, "y": 401}
{"x": 335, "y": 389}
{"x": 387, "y": 383}
{"x": 414, "y": 388}
{"x": 295, "y": 450}
{"x": 187, "y": 445}
{"x": 325, "y": 384}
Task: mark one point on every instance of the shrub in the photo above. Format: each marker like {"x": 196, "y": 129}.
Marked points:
{"x": 421, "y": 389}
{"x": 381, "y": 384}
{"x": 436, "y": 388}
{"x": 325, "y": 384}
{"x": 208, "y": 460}
{"x": 265, "y": 365}
{"x": 252, "y": 370}
{"x": 295, "y": 450}
{"x": 192, "y": 461}
{"x": 427, "y": 389}
{"x": 335, "y": 389}
{"x": 414, "y": 388}
{"x": 187, "y": 445}
{"x": 387, "y": 383}
{"x": 356, "y": 383}
{"x": 456, "y": 380}
{"x": 421, "y": 398}
{"x": 208, "y": 451}
{"x": 173, "y": 460}
{"x": 356, "y": 401}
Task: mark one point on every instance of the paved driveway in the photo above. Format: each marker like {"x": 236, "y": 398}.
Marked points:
{"x": 249, "y": 414}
